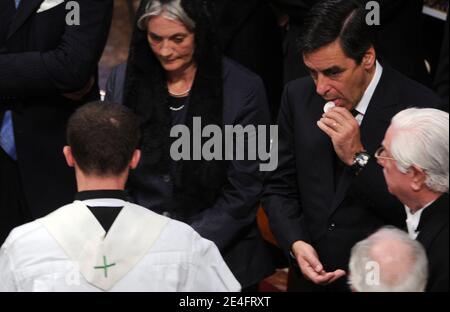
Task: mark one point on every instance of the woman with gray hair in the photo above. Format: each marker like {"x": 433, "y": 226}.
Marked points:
{"x": 388, "y": 261}
{"x": 176, "y": 72}
{"x": 414, "y": 156}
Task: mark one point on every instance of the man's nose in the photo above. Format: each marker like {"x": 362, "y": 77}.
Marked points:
{"x": 322, "y": 85}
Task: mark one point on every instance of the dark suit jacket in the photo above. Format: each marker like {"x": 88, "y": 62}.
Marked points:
{"x": 300, "y": 196}
{"x": 296, "y": 9}
{"x": 434, "y": 236}
{"x": 231, "y": 222}
{"x": 398, "y": 38}
{"x": 441, "y": 82}
{"x": 115, "y": 84}
{"x": 40, "y": 59}
{"x": 248, "y": 33}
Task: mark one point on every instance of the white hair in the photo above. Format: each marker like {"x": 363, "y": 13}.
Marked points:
{"x": 410, "y": 258}
{"x": 421, "y": 139}
{"x": 171, "y": 10}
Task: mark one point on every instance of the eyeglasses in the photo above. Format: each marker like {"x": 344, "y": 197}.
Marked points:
{"x": 379, "y": 154}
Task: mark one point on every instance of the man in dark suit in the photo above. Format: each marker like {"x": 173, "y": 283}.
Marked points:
{"x": 48, "y": 67}
{"x": 398, "y": 38}
{"x": 414, "y": 157}
{"x": 327, "y": 192}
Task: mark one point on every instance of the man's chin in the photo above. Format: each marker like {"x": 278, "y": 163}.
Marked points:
{"x": 344, "y": 104}
{"x": 340, "y": 103}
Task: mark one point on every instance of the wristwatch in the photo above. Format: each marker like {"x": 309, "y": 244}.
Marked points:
{"x": 360, "y": 161}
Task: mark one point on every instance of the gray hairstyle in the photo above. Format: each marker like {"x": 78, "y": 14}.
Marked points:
{"x": 421, "y": 139}
{"x": 414, "y": 280}
{"x": 172, "y": 10}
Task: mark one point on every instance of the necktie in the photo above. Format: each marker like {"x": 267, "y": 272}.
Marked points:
{"x": 354, "y": 112}
{"x": 7, "y": 140}
{"x": 358, "y": 116}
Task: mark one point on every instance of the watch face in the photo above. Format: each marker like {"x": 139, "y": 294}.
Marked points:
{"x": 362, "y": 159}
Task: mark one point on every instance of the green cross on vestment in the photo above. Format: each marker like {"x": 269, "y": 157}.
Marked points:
{"x": 105, "y": 266}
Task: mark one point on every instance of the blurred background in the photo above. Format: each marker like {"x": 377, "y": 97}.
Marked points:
{"x": 116, "y": 50}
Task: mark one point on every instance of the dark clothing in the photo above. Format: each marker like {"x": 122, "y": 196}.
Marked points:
{"x": 116, "y": 194}
{"x": 297, "y": 10}
{"x": 13, "y": 209}
{"x": 248, "y": 33}
{"x": 157, "y": 190}
{"x": 441, "y": 80}
{"x": 217, "y": 197}
{"x": 398, "y": 39}
{"x": 301, "y": 198}
{"x": 115, "y": 84}
{"x": 434, "y": 236}
{"x": 158, "y": 193}
{"x": 41, "y": 58}
{"x": 7, "y": 13}
{"x": 105, "y": 215}
{"x": 229, "y": 217}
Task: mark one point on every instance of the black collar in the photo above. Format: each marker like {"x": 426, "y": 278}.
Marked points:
{"x": 105, "y": 217}
{"x": 86, "y": 195}
{"x": 436, "y": 213}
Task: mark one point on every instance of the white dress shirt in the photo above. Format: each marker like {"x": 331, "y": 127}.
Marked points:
{"x": 413, "y": 220}
{"x": 368, "y": 94}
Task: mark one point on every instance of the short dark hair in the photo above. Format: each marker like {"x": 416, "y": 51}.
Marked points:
{"x": 103, "y": 137}
{"x": 345, "y": 20}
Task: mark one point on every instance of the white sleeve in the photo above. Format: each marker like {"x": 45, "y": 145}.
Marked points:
{"x": 212, "y": 273}
{"x": 7, "y": 280}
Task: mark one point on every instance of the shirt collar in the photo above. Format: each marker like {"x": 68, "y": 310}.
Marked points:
{"x": 367, "y": 96}
{"x": 103, "y": 198}
{"x": 413, "y": 220}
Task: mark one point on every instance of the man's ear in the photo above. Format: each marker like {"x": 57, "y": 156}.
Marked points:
{"x": 135, "y": 159}
{"x": 369, "y": 58}
{"x": 67, "y": 151}
{"x": 418, "y": 178}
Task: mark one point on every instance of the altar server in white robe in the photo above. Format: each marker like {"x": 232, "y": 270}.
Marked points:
{"x": 102, "y": 242}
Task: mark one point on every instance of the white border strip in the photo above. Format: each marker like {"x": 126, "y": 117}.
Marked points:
{"x": 434, "y": 13}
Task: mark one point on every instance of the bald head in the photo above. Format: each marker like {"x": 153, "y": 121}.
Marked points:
{"x": 396, "y": 259}
{"x": 388, "y": 261}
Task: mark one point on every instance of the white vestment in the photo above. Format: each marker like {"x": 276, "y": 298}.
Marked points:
{"x": 69, "y": 250}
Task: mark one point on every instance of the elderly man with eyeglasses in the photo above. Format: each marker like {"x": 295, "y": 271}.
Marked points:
{"x": 414, "y": 157}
